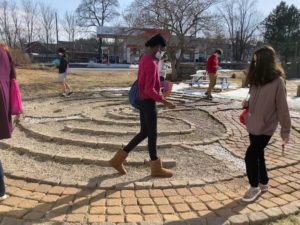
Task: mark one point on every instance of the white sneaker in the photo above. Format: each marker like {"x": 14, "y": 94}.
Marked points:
{"x": 252, "y": 194}
{"x": 3, "y": 197}
{"x": 264, "y": 187}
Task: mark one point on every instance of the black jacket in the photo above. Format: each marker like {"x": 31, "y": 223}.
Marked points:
{"x": 63, "y": 65}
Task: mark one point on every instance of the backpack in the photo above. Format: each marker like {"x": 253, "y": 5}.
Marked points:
{"x": 134, "y": 95}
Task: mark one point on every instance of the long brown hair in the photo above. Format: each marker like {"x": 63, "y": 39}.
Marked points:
{"x": 265, "y": 69}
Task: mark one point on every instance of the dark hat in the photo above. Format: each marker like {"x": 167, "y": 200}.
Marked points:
{"x": 219, "y": 51}
{"x": 61, "y": 50}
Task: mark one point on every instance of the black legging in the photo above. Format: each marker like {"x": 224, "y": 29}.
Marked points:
{"x": 148, "y": 119}
{"x": 2, "y": 185}
{"x": 255, "y": 160}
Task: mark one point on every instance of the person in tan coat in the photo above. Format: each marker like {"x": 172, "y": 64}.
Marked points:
{"x": 267, "y": 107}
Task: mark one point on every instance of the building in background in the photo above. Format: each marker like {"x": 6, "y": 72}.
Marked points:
{"x": 82, "y": 50}
{"x": 125, "y": 45}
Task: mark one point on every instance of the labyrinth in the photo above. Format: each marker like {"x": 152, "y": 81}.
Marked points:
{"x": 68, "y": 142}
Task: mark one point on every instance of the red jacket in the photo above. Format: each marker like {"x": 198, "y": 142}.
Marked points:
{"x": 212, "y": 64}
{"x": 148, "y": 78}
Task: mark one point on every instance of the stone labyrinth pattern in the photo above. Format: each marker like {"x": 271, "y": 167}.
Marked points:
{"x": 67, "y": 142}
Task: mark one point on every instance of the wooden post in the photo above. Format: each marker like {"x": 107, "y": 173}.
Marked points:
{"x": 298, "y": 91}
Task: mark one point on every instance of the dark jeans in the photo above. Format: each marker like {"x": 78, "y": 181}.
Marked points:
{"x": 2, "y": 185}
{"x": 255, "y": 160}
{"x": 148, "y": 120}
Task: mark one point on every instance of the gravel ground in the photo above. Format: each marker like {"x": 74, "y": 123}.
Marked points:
{"x": 190, "y": 165}
{"x": 206, "y": 130}
{"x": 206, "y": 126}
{"x": 222, "y": 153}
{"x": 162, "y": 126}
{"x": 210, "y": 162}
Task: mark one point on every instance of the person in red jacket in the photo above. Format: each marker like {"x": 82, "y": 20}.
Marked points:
{"x": 148, "y": 89}
{"x": 212, "y": 68}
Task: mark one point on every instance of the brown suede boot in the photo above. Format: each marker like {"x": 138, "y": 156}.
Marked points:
{"x": 117, "y": 161}
{"x": 157, "y": 169}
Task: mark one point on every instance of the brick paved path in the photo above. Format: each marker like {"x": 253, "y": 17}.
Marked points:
{"x": 203, "y": 203}
{"x": 208, "y": 204}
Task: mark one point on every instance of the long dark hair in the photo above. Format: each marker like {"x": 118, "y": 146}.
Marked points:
{"x": 265, "y": 69}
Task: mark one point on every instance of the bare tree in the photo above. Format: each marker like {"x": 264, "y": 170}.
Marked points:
{"x": 16, "y": 24}
{"x": 242, "y": 20}
{"x": 10, "y": 24}
{"x": 30, "y": 9}
{"x": 4, "y": 23}
{"x": 69, "y": 24}
{"x": 47, "y": 19}
{"x": 94, "y": 13}
{"x": 130, "y": 17}
{"x": 182, "y": 18}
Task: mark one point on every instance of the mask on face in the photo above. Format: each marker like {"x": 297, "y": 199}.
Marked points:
{"x": 158, "y": 55}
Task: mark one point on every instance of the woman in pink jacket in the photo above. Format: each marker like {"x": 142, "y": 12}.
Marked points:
{"x": 148, "y": 86}
{"x": 267, "y": 106}
{"x": 7, "y": 73}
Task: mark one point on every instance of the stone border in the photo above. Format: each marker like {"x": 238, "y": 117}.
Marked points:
{"x": 43, "y": 137}
{"x": 129, "y": 186}
{"x": 100, "y": 132}
{"x": 169, "y": 163}
{"x": 267, "y": 215}
{"x": 47, "y": 138}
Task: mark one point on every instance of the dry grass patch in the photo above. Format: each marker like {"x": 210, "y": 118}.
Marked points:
{"x": 291, "y": 220}
{"x": 292, "y": 86}
{"x": 37, "y": 82}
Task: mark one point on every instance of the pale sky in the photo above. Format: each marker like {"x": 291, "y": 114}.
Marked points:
{"x": 265, "y": 6}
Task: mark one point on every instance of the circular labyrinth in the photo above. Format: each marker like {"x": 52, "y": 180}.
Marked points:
{"x": 70, "y": 140}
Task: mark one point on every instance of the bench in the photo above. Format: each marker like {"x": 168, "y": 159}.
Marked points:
{"x": 201, "y": 78}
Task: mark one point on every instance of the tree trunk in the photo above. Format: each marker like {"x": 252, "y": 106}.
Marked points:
{"x": 298, "y": 91}
{"x": 175, "y": 71}
{"x": 100, "y": 50}
{"x": 47, "y": 46}
{"x": 175, "y": 63}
